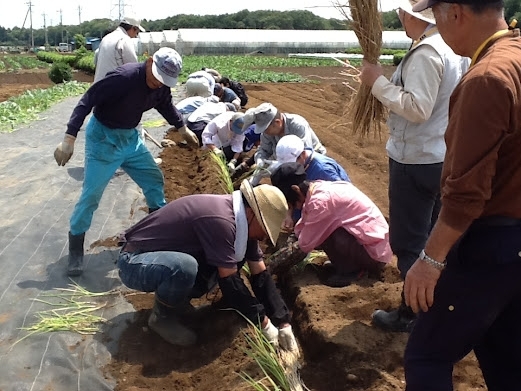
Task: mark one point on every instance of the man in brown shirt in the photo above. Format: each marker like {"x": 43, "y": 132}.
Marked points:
{"x": 465, "y": 283}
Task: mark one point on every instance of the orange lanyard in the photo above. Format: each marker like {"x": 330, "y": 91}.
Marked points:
{"x": 493, "y": 37}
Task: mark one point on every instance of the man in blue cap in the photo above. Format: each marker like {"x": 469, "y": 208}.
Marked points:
{"x": 118, "y": 102}
{"x": 465, "y": 283}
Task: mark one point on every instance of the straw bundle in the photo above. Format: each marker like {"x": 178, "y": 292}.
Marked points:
{"x": 365, "y": 20}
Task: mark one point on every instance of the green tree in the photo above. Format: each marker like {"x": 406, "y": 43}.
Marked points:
{"x": 391, "y": 21}
{"x": 80, "y": 41}
{"x": 512, "y": 7}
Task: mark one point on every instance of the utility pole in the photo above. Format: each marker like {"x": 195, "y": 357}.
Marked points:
{"x": 31, "y": 22}
{"x": 45, "y": 30}
{"x": 79, "y": 16}
{"x": 61, "y": 22}
{"x": 121, "y": 9}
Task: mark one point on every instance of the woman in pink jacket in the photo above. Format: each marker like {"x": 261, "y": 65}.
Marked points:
{"x": 339, "y": 219}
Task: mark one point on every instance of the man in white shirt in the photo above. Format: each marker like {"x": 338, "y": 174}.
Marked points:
{"x": 117, "y": 47}
{"x": 198, "y": 120}
{"x": 188, "y": 105}
{"x": 200, "y": 83}
{"x": 418, "y": 98}
{"x": 224, "y": 136}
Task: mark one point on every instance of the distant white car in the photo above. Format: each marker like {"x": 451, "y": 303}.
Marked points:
{"x": 63, "y": 47}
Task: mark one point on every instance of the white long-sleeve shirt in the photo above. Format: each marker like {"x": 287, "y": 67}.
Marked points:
{"x": 218, "y": 132}
{"x": 115, "y": 50}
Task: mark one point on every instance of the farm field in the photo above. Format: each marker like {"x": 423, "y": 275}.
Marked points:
{"x": 340, "y": 348}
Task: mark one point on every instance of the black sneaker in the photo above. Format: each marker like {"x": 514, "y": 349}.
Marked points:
{"x": 396, "y": 320}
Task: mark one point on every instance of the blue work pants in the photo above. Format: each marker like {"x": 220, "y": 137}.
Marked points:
{"x": 105, "y": 151}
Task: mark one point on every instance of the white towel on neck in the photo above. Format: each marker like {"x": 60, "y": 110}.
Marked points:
{"x": 241, "y": 226}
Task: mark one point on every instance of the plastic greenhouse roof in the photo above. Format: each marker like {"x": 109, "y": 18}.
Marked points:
{"x": 256, "y": 39}
{"x": 260, "y": 36}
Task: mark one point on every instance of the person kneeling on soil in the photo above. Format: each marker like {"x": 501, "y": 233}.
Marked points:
{"x": 291, "y": 149}
{"x": 272, "y": 125}
{"x": 224, "y": 136}
{"x": 337, "y": 218}
{"x": 186, "y": 248}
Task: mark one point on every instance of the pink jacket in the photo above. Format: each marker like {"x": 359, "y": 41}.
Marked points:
{"x": 331, "y": 205}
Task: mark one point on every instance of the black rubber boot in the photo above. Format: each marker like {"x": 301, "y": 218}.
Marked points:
{"x": 399, "y": 320}
{"x": 75, "y": 263}
{"x": 165, "y": 321}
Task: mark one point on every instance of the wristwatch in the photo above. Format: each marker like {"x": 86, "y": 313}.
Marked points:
{"x": 425, "y": 258}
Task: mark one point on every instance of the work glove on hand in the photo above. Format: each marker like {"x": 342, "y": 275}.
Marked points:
{"x": 287, "y": 340}
{"x": 64, "y": 150}
{"x": 218, "y": 152}
{"x": 166, "y": 143}
{"x": 259, "y": 162}
{"x": 231, "y": 166}
{"x": 271, "y": 333}
{"x": 188, "y": 136}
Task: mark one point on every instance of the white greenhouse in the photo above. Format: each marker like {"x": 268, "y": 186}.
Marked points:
{"x": 227, "y": 41}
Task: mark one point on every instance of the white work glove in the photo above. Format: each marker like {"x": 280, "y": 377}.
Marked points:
{"x": 218, "y": 152}
{"x": 188, "y": 136}
{"x": 231, "y": 166}
{"x": 271, "y": 165}
{"x": 64, "y": 150}
{"x": 259, "y": 162}
{"x": 271, "y": 333}
{"x": 166, "y": 143}
{"x": 287, "y": 340}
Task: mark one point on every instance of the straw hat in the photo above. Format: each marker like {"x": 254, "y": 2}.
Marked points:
{"x": 426, "y": 15}
{"x": 268, "y": 204}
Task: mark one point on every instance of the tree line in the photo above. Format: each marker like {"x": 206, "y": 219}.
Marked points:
{"x": 274, "y": 20}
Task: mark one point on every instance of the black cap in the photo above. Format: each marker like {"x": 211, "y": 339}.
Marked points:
{"x": 287, "y": 175}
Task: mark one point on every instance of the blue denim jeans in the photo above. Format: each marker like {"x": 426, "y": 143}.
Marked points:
{"x": 171, "y": 275}
{"x": 106, "y": 150}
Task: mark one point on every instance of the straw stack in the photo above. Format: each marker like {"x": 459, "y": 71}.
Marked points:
{"x": 365, "y": 20}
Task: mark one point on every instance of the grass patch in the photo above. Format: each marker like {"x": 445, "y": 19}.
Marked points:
{"x": 70, "y": 312}
{"x": 279, "y": 368}
{"x": 26, "y": 107}
{"x": 222, "y": 172}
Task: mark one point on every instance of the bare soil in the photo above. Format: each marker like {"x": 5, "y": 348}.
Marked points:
{"x": 341, "y": 349}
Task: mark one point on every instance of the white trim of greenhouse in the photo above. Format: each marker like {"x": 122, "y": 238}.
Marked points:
{"x": 246, "y": 41}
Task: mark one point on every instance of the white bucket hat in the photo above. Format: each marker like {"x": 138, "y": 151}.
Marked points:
{"x": 133, "y": 22}
{"x": 289, "y": 149}
{"x": 269, "y": 206}
{"x": 426, "y": 15}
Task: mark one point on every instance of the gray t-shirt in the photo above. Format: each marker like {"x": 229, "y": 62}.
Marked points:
{"x": 202, "y": 225}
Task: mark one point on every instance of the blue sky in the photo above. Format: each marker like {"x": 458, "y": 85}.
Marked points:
{"x": 14, "y": 12}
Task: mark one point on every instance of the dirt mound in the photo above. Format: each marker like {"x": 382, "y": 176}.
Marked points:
{"x": 15, "y": 83}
